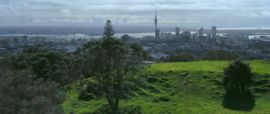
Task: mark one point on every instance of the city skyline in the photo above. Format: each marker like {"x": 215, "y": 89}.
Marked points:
{"x": 192, "y": 13}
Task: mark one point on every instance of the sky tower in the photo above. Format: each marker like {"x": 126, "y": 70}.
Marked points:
{"x": 156, "y": 29}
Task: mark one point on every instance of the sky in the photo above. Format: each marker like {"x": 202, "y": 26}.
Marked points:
{"x": 186, "y": 13}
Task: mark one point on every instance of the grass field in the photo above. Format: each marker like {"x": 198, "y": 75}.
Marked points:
{"x": 182, "y": 88}
{"x": 260, "y": 67}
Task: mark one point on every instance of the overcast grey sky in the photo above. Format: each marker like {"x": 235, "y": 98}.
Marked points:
{"x": 223, "y": 13}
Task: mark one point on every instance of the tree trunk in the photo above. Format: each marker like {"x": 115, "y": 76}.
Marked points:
{"x": 114, "y": 104}
{"x": 115, "y": 109}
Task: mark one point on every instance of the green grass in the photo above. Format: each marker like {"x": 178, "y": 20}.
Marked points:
{"x": 80, "y": 107}
{"x": 261, "y": 67}
{"x": 199, "y": 92}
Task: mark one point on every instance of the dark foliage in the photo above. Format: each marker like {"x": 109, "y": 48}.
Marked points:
{"x": 111, "y": 63}
{"x": 22, "y": 93}
{"x": 139, "y": 53}
{"x": 237, "y": 76}
{"x": 162, "y": 99}
{"x": 131, "y": 109}
{"x": 221, "y": 55}
{"x": 86, "y": 95}
{"x": 54, "y": 66}
{"x": 237, "y": 79}
{"x": 178, "y": 58}
{"x": 234, "y": 101}
{"x": 91, "y": 91}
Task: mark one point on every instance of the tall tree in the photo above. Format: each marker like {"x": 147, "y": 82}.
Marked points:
{"x": 112, "y": 65}
{"x": 108, "y": 30}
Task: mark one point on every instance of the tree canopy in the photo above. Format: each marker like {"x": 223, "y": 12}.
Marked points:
{"x": 22, "y": 93}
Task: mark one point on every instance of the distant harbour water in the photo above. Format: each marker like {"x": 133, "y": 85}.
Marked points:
{"x": 135, "y": 35}
{"x": 86, "y": 36}
{"x": 78, "y": 35}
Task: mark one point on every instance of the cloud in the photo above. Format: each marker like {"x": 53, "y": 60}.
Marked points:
{"x": 66, "y": 12}
{"x": 135, "y": 12}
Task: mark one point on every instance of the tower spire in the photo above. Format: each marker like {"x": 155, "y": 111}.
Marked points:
{"x": 155, "y": 13}
{"x": 156, "y": 21}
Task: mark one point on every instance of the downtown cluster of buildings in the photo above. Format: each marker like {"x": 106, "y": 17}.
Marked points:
{"x": 197, "y": 43}
{"x": 186, "y": 36}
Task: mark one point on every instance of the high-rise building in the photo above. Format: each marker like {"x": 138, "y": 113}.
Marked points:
{"x": 213, "y": 32}
{"x": 177, "y": 32}
{"x": 201, "y": 32}
{"x": 186, "y": 36}
{"x": 156, "y": 29}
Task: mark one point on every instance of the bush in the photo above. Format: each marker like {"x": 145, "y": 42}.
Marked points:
{"x": 237, "y": 79}
{"x": 237, "y": 76}
{"x": 86, "y": 96}
{"x": 91, "y": 91}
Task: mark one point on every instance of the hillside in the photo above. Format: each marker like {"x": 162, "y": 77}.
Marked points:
{"x": 178, "y": 88}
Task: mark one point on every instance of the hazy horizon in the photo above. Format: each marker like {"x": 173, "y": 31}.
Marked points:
{"x": 98, "y": 30}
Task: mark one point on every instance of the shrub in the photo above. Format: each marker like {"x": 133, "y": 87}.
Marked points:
{"x": 237, "y": 77}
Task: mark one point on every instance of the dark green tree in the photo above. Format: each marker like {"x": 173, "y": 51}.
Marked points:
{"x": 108, "y": 30}
{"x": 139, "y": 54}
{"x": 237, "y": 77}
{"x": 110, "y": 62}
{"x": 236, "y": 81}
{"x": 54, "y": 66}
{"x": 22, "y": 93}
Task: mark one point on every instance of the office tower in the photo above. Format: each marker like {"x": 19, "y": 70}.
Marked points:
{"x": 201, "y": 32}
{"x": 177, "y": 32}
{"x": 213, "y": 32}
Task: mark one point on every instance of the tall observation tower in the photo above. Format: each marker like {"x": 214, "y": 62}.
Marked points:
{"x": 156, "y": 29}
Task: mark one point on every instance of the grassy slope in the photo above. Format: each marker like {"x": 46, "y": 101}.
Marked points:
{"x": 197, "y": 93}
{"x": 260, "y": 67}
